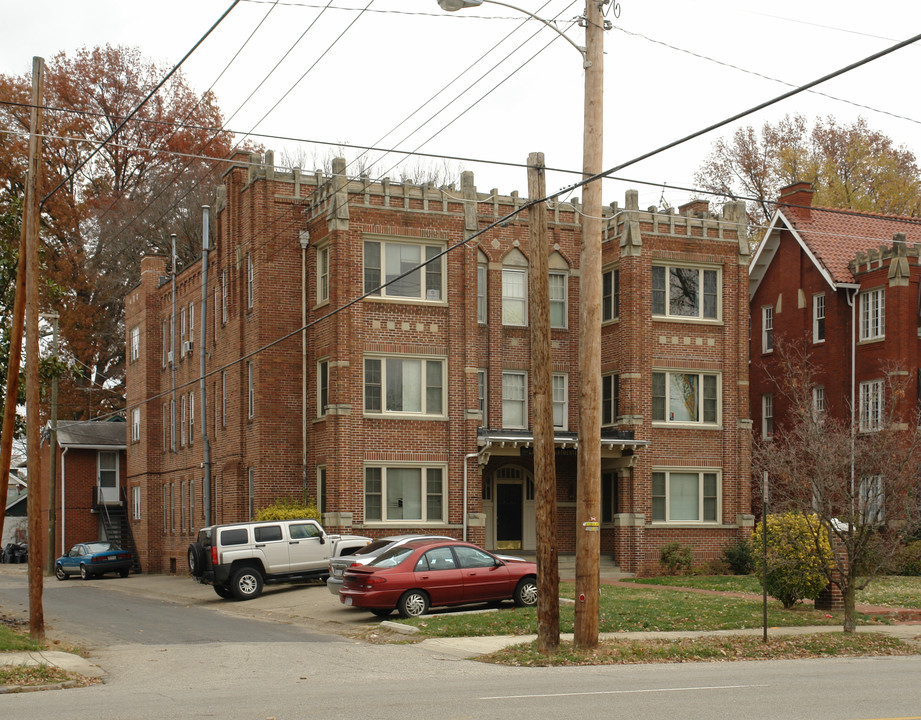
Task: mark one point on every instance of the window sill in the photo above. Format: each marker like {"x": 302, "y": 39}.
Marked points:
{"x": 403, "y": 416}
{"x": 690, "y": 524}
{"x": 687, "y": 320}
{"x": 405, "y": 301}
{"x": 870, "y": 341}
{"x": 686, "y": 425}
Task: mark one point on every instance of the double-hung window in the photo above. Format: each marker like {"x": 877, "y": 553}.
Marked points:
{"x": 481, "y": 279}
{"x": 767, "y": 329}
{"x": 514, "y": 400}
{"x": 223, "y": 296}
{"x": 182, "y": 415}
{"x": 610, "y": 294}
{"x": 873, "y": 314}
{"x": 681, "y": 397}
{"x": 135, "y": 424}
{"x": 767, "y": 415}
{"x": 871, "y": 499}
{"x": 872, "y": 394}
{"x": 191, "y": 417}
{"x": 250, "y": 291}
{"x": 560, "y": 383}
{"x": 685, "y": 292}
{"x": 818, "y": 403}
{"x": 685, "y": 496}
{"x": 322, "y": 275}
{"x": 558, "y": 304}
{"x": 514, "y": 296}
{"x": 403, "y": 385}
{"x": 251, "y": 389}
{"x": 385, "y": 261}
{"x": 818, "y": 318}
{"x": 322, "y": 387}
{"x": 610, "y": 399}
{"x": 482, "y": 394}
{"x": 401, "y": 494}
{"x": 135, "y": 343}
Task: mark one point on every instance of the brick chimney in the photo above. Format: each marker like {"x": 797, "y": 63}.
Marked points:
{"x": 695, "y": 208}
{"x": 799, "y": 196}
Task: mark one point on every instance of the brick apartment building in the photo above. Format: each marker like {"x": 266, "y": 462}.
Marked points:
{"x": 847, "y": 284}
{"x": 408, "y": 410}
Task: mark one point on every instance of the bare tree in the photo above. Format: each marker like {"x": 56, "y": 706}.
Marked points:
{"x": 857, "y": 473}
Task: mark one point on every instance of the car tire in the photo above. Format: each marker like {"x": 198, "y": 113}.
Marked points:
{"x": 59, "y": 572}
{"x": 84, "y": 573}
{"x": 526, "y": 592}
{"x": 413, "y": 603}
{"x": 246, "y": 583}
{"x": 223, "y": 592}
{"x": 123, "y": 572}
{"x": 196, "y": 559}
{"x": 382, "y": 612}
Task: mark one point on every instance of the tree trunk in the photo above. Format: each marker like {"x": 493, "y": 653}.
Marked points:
{"x": 850, "y": 610}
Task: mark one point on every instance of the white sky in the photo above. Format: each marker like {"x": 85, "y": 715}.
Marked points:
{"x": 394, "y": 59}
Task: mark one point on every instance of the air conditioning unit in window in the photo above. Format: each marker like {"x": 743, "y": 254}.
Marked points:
{"x": 169, "y": 356}
{"x": 187, "y": 347}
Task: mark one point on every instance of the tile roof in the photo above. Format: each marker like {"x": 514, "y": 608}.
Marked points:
{"x": 835, "y": 238}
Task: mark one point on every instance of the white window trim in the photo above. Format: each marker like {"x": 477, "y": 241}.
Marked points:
{"x": 701, "y": 423}
{"x": 524, "y": 299}
{"x": 135, "y": 343}
{"x": 250, "y": 289}
{"x": 565, "y": 400}
{"x": 872, "y": 392}
{"x": 819, "y": 300}
{"x": 482, "y": 293}
{"x": 223, "y": 297}
{"x": 767, "y": 416}
{"x": 482, "y": 379}
{"x": 767, "y": 329}
{"x": 818, "y": 402}
{"x": 136, "y": 502}
{"x": 564, "y": 300}
{"x": 615, "y": 399}
{"x": 523, "y": 401}
{"x": 191, "y": 416}
{"x": 700, "y": 472}
{"x": 223, "y": 398}
{"x": 700, "y": 318}
{"x": 872, "y": 510}
{"x": 183, "y": 401}
{"x": 423, "y": 468}
{"x": 323, "y": 275}
{"x": 424, "y": 414}
{"x": 614, "y": 308}
{"x": 251, "y": 389}
{"x": 383, "y": 294}
{"x": 135, "y": 424}
{"x": 872, "y": 311}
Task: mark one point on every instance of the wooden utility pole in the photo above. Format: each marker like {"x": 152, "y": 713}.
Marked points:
{"x": 33, "y": 419}
{"x": 588, "y": 505}
{"x": 548, "y": 574}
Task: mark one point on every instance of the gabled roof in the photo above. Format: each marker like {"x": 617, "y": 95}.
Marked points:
{"x": 93, "y": 434}
{"x": 831, "y": 240}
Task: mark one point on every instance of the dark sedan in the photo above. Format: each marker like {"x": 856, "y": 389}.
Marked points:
{"x": 421, "y": 574}
{"x": 91, "y": 559}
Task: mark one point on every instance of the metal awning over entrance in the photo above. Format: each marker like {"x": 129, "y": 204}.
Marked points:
{"x": 614, "y": 443}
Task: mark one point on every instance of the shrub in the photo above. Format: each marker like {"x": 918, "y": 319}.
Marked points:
{"x": 799, "y": 555}
{"x": 909, "y": 560}
{"x": 676, "y": 558}
{"x": 738, "y": 556}
{"x": 289, "y": 509}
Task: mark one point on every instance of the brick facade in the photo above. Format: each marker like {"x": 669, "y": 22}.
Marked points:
{"x": 402, "y": 433}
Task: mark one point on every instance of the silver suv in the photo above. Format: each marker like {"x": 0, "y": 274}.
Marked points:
{"x": 238, "y": 559}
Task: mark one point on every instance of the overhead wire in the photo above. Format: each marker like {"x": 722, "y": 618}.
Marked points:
{"x": 530, "y": 203}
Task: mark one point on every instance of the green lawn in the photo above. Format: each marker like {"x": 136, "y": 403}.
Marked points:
{"x": 13, "y": 639}
{"x": 627, "y": 608}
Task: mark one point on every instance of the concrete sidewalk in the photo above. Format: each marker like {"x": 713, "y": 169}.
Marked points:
{"x": 312, "y": 605}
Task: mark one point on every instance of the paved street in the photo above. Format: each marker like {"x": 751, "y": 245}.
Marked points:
{"x": 174, "y": 650}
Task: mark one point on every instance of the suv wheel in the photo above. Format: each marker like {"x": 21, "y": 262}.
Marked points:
{"x": 196, "y": 559}
{"x": 223, "y": 592}
{"x": 246, "y": 583}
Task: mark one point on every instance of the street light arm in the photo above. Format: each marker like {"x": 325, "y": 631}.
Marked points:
{"x": 453, "y": 5}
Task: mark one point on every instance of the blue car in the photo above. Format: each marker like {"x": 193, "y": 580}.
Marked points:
{"x": 91, "y": 559}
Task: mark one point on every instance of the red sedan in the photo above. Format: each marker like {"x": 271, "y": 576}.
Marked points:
{"x": 428, "y": 573}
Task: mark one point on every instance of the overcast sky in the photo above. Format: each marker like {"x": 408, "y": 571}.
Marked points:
{"x": 672, "y": 67}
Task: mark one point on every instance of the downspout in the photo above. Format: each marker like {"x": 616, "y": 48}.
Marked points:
{"x": 172, "y": 342}
{"x": 467, "y": 457}
{"x": 63, "y": 496}
{"x": 202, "y": 385}
{"x": 305, "y": 242}
{"x": 851, "y": 300}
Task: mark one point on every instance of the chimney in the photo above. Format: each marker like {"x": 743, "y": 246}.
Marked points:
{"x": 695, "y": 208}
{"x": 797, "y": 197}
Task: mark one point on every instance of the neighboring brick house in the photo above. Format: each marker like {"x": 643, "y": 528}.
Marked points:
{"x": 89, "y": 499}
{"x": 847, "y": 284}
{"x": 408, "y": 410}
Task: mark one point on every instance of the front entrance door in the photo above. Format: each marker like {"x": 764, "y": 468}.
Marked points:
{"x": 509, "y": 508}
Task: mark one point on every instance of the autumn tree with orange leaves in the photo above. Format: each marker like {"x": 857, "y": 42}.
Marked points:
{"x": 149, "y": 181}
